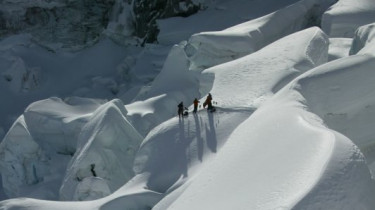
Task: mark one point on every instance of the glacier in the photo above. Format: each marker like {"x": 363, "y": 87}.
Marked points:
{"x": 293, "y": 87}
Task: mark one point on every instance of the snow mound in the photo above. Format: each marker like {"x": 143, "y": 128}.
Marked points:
{"x": 343, "y": 18}
{"x": 259, "y": 75}
{"x": 363, "y": 41}
{"x": 207, "y": 49}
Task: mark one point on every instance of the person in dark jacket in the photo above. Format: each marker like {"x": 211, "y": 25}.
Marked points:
{"x": 195, "y": 102}
{"x": 180, "y": 109}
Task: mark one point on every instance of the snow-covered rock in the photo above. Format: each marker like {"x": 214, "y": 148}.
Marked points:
{"x": 343, "y": 18}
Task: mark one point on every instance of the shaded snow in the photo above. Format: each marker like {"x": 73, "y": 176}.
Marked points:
{"x": 339, "y": 48}
{"x": 343, "y": 18}
{"x": 363, "y": 41}
{"x": 54, "y": 136}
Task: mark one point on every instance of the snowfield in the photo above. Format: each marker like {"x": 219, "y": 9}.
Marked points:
{"x": 293, "y": 126}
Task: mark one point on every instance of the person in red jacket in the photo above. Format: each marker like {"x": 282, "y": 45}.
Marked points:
{"x": 208, "y": 102}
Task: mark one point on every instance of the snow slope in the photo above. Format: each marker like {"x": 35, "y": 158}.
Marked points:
{"x": 259, "y": 75}
{"x": 284, "y": 157}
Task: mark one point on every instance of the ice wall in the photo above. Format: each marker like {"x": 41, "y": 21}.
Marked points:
{"x": 106, "y": 147}
{"x": 88, "y": 141}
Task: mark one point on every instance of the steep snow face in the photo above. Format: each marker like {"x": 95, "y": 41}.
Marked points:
{"x": 36, "y": 151}
{"x": 234, "y": 42}
{"x": 363, "y": 41}
{"x": 259, "y": 75}
{"x": 347, "y": 89}
{"x": 343, "y": 18}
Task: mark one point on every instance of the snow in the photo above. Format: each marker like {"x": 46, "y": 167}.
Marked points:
{"x": 258, "y": 75}
{"x": 339, "y": 48}
{"x": 76, "y": 136}
{"x": 301, "y": 170}
{"x": 343, "y": 18}
{"x": 106, "y": 148}
{"x": 349, "y": 100}
{"x": 248, "y": 37}
{"x": 293, "y": 126}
